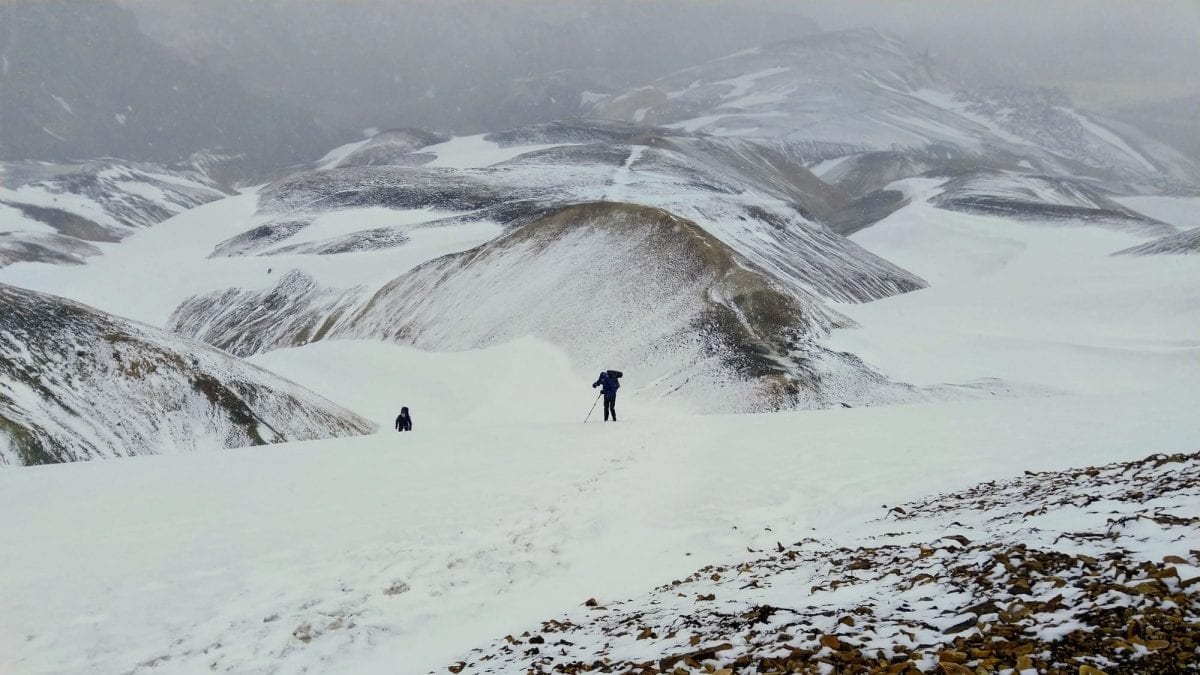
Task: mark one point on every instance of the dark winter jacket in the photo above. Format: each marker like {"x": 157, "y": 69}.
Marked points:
{"x": 404, "y": 421}
{"x": 609, "y": 381}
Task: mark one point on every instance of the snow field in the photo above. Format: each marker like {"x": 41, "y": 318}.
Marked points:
{"x": 527, "y": 381}
{"x": 149, "y": 274}
{"x": 465, "y": 152}
{"x": 190, "y": 558}
{"x": 1182, "y": 212}
{"x": 1038, "y": 303}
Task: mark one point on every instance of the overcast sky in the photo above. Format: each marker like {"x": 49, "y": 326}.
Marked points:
{"x": 1099, "y": 48}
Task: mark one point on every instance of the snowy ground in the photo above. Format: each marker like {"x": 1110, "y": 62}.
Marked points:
{"x": 281, "y": 559}
{"x": 1182, "y": 212}
{"x": 1052, "y": 572}
{"x": 149, "y": 274}
{"x": 1042, "y": 304}
{"x": 399, "y": 553}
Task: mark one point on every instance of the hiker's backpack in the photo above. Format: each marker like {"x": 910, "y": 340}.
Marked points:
{"x": 615, "y": 376}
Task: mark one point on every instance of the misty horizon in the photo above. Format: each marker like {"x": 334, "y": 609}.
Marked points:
{"x": 326, "y": 72}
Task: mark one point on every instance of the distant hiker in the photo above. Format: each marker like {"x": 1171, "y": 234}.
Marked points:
{"x": 403, "y": 421}
{"x": 609, "y": 384}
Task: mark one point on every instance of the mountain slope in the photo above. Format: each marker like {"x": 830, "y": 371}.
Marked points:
{"x": 79, "y": 384}
{"x": 580, "y": 191}
{"x": 625, "y": 284}
{"x": 849, "y": 92}
{"x": 355, "y": 555}
{"x": 54, "y": 212}
{"x": 1023, "y": 558}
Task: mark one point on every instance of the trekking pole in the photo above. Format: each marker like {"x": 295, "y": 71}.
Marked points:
{"x": 585, "y": 420}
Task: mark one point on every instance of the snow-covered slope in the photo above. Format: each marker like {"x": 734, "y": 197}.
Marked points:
{"x": 78, "y": 384}
{"x": 623, "y": 284}
{"x": 1040, "y": 573}
{"x": 1026, "y": 300}
{"x": 1182, "y": 212}
{"x": 47, "y": 247}
{"x": 394, "y": 146}
{"x": 320, "y": 244}
{"x": 99, "y": 201}
{"x": 842, "y": 93}
{"x": 1186, "y": 242}
{"x": 1026, "y": 196}
{"x": 402, "y": 552}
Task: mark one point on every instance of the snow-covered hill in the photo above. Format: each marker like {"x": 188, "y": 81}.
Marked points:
{"x": 79, "y": 384}
{"x": 334, "y": 247}
{"x": 972, "y": 323}
{"x": 57, "y": 212}
{"x": 848, "y": 92}
{"x": 617, "y": 283}
{"x": 721, "y": 241}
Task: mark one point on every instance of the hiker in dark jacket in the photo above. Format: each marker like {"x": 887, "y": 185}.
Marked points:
{"x": 609, "y": 384}
{"x": 403, "y": 421}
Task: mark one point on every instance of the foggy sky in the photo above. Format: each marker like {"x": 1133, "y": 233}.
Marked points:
{"x": 202, "y": 73}
{"x": 1102, "y": 51}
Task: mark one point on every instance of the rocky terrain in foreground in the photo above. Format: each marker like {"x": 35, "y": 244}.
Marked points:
{"x": 1091, "y": 570}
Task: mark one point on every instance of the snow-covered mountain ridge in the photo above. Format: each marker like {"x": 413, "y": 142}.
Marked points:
{"x": 58, "y": 212}
{"x": 849, "y": 92}
{"x": 79, "y": 80}
{"x": 78, "y": 384}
